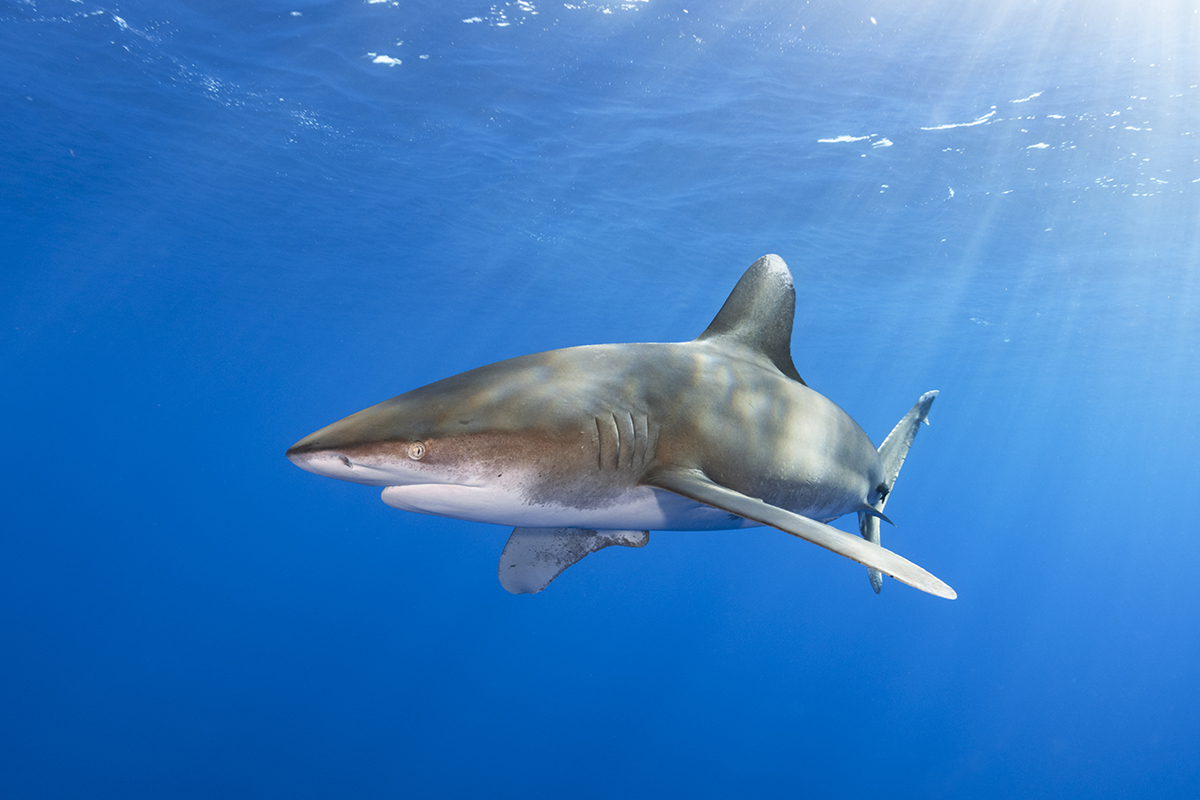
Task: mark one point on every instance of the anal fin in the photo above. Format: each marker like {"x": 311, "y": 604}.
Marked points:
{"x": 535, "y": 556}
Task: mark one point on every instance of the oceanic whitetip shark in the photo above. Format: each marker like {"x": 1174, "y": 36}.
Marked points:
{"x": 593, "y": 446}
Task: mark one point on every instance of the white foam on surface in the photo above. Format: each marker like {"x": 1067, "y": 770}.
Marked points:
{"x": 979, "y": 121}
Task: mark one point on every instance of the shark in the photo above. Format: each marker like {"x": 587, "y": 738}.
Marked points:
{"x": 584, "y": 448}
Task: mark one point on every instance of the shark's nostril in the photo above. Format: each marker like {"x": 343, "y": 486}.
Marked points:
{"x": 345, "y": 461}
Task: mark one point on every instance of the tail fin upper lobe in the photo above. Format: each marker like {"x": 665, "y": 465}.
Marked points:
{"x": 891, "y": 454}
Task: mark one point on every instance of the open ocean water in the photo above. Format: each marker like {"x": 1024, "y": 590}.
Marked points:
{"x": 226, "y": 224}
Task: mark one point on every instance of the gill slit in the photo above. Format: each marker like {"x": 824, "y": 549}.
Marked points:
{"x": 599, "y": 445}
{"x": 633, "y": 444}
{"x": 625, "y": 448}
{"x": 617, "y": 441}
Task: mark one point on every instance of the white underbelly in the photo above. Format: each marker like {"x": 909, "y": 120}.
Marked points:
{"x": 641, "y": 508}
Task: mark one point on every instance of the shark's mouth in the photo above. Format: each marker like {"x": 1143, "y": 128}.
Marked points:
{"x": 457, "y": 500}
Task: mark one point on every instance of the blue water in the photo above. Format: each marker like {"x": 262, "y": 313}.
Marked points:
{"x": 224, "y": 225}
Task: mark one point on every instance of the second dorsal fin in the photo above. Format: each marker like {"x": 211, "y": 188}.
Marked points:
{"x": 758, "y": 314}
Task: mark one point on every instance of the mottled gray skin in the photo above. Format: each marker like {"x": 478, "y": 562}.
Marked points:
{"x": 586, "y": 424}
{"x": 589, "y": 422}
{"x": 719, "y": 432}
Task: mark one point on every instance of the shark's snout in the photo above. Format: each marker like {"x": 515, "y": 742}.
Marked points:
{"x": 333, "y": 464}
{"x": 316, "y": 454}
{"x": 313, "y": 443}
{"x": 298, "y": 452}
{"x": 306, "y": 456}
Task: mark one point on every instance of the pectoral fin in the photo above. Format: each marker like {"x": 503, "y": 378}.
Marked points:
{"x": 535, "y": 556}
{"x": 694, "y": 484}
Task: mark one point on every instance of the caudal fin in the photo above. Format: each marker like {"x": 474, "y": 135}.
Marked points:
{"x": 891, "y": 454}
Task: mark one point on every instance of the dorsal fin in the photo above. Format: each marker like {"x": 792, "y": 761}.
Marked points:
{"x": 758, "y": 313}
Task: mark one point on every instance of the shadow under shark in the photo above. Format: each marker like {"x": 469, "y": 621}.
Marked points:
{"x": 593, "y": 446}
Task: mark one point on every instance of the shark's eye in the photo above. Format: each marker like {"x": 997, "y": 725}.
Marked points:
{"x": 416, "y": 451}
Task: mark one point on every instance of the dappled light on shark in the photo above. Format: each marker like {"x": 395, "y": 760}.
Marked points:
{"x": 587, "y": 447}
